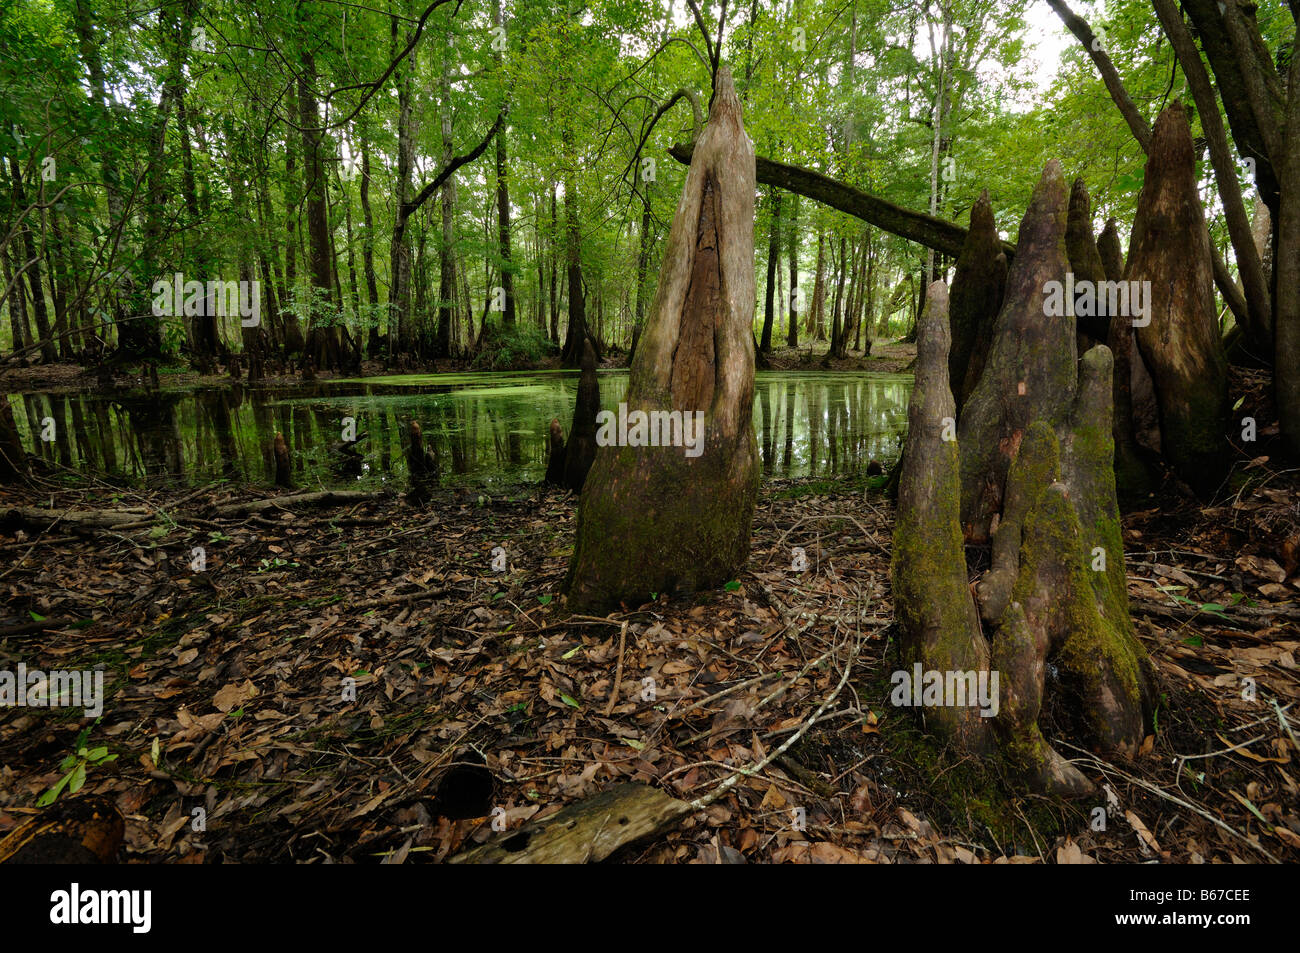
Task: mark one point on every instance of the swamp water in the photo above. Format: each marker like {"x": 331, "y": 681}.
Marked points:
{"x": 486, "y": 428}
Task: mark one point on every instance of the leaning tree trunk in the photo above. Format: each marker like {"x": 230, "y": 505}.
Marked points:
{"x": 674, "y": 518}
{"x": 1030, "y": 472}
{"x": 1180, "y": 342}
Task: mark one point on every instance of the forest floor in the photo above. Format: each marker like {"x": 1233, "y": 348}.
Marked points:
{"x": 225, "y": 686}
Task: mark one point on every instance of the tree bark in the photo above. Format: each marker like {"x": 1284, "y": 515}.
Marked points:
{"x": 1249, "y": 266}
{"x": 653, "y": 518}
{"x": 1037, "y": 435}
{"x": 977, "y": 288}
{"x": 1086, "y": 265}
{"x": 1181, "y": 344}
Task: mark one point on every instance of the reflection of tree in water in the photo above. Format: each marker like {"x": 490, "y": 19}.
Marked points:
{"x": 152, "y": 420}
{"x": 805, "y": 426}
{"x": 216, "y": 404}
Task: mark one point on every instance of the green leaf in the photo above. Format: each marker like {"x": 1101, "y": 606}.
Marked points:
{"x": 569, "y": 701}
{"x": 572, "y": 652}
{"x": 1195, "y": 641}
{"x": 634, "y": 745}
{"x": 52, "y": 794}
{"x": 96, "y": 754}
{"x": 36, "y": 616}
{"x": 732, "y": 586}
{"x": 545, "y": 600}
{"x": 76, "y": 779}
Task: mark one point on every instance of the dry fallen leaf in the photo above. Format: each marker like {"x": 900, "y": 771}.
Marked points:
{"x": 232, "y": 696}
{"x": 1145, "y": 837}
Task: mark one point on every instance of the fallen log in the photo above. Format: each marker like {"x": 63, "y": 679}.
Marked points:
{"x": 926, "y": 230}
{"x": 585, "y": 832}
{"x": 316, "y": 498}
{"x": 38, "y": 518}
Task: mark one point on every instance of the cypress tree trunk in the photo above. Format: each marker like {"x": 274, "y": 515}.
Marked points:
{"x": 1180, "y": 344}
{"x": 1135, "y": 410}
{"x": 1086, "y": 265}
{"x": 977, "y": 288}
{"x": 1031, "y": 472}
{"x": 677, "y": 518}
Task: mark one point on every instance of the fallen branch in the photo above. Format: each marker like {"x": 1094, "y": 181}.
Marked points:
{"x": 585, "y": 832}
{"x": 1106, "y": 767}
{"x": 925, "y": 230}
{"x": 38, "y": 518}
{"x": 316, "y": 498}
{"x": 1253, "y": 617}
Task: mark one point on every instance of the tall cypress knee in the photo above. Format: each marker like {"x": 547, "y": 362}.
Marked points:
{"x": 660, "y": 514}
{"x": 1169, "y": 258}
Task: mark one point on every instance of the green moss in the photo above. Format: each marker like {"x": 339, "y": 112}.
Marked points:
{"x": 977, "y": 797}
{"x": 662, "y": 523}
{"x": 1097, "y": 653}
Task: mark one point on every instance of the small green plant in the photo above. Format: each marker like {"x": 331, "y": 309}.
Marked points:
{"x": 276, "y": 563}
{"x": 74, "y": 767}
{"x": 1211, "y": 608}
